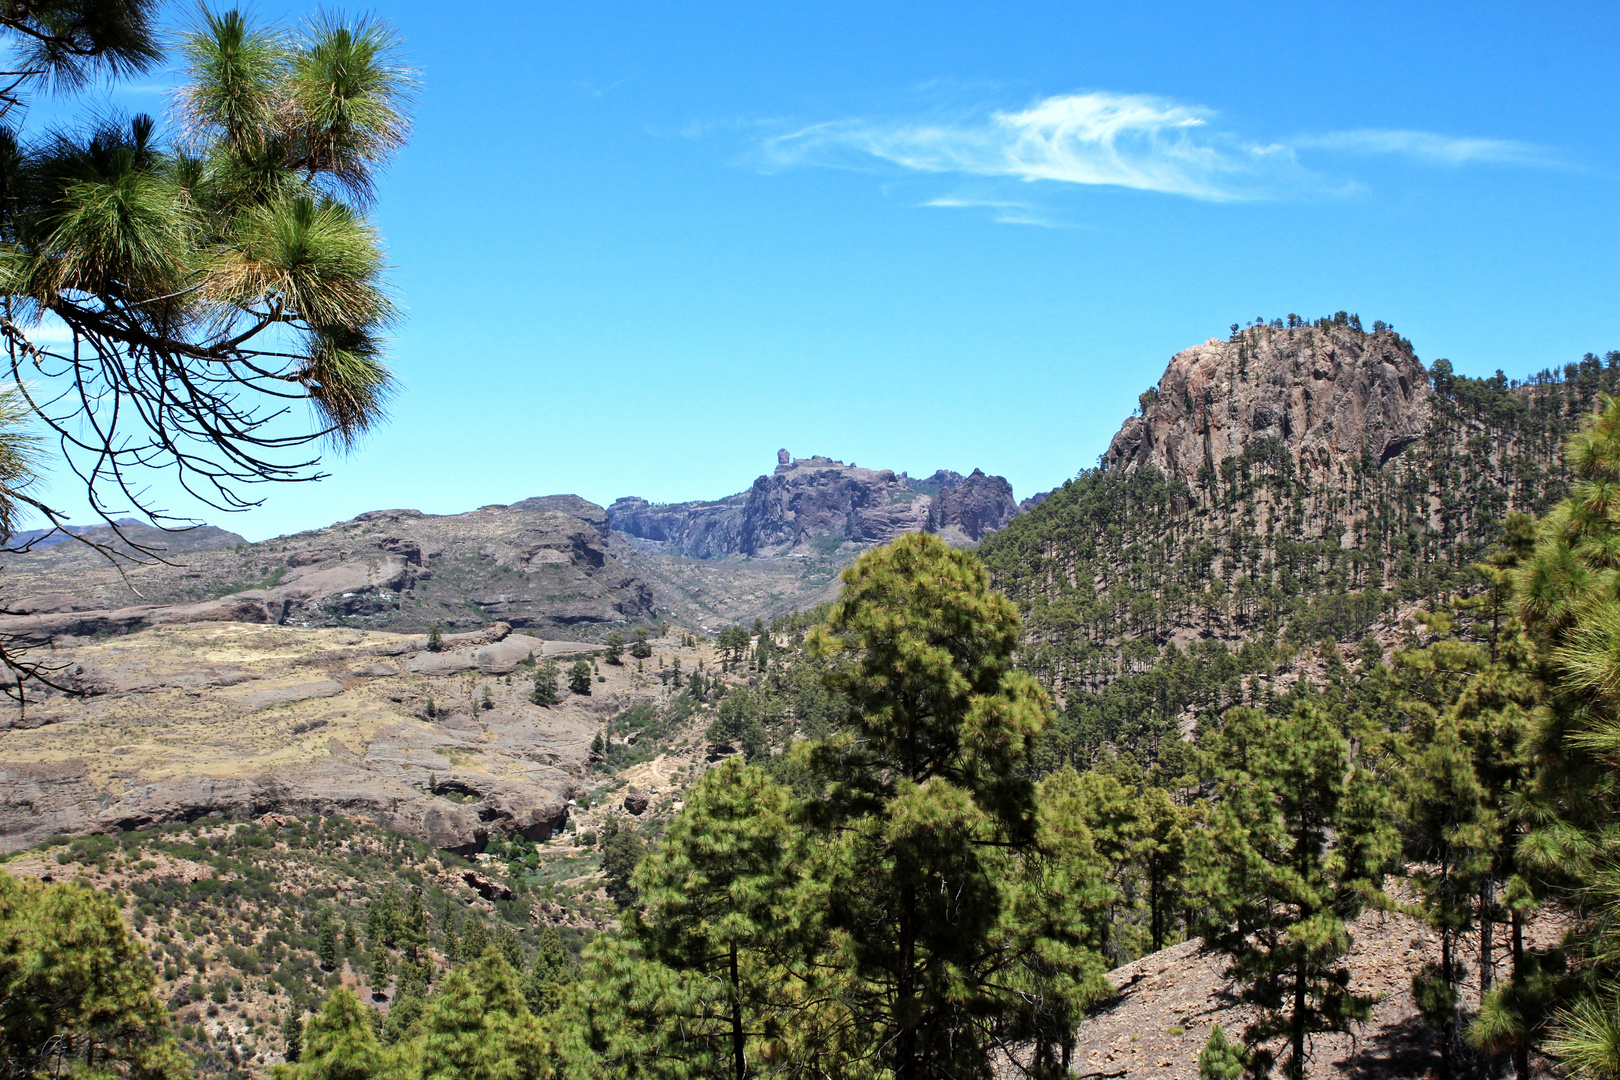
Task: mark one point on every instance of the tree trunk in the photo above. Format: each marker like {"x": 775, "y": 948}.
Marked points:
{"x": 1296, "y": 1066}
{"x": 906, "y": 1042}
{"x": 1448, "y": 1034}
{"x": 1487, "y": 924}
{"x": 738, "y": 1045}
{"x": 1521, "y": 1053}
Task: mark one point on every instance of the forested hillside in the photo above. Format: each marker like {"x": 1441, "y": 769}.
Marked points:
{"x": 1151, "y": 596}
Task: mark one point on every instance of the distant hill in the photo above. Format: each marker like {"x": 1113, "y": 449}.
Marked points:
{"x": 821, "y": 505}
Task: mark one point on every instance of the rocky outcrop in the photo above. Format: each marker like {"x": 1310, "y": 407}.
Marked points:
{"x": 1321, "y": 393}
{"x": 699, "y": 530}
{"x": 819, "y": 504}
{"x": 973, "y": 508}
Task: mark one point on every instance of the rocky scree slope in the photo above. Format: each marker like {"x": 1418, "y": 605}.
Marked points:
{"x": 817, "y": 504}
{"x": 1288, "y": 484}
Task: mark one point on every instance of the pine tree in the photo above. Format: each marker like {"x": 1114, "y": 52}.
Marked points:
{"x": 925, "y": 777}
{"x": 474, "y": 938}
{"x": 339, "y": 1042}
{"x": 1298, "y": 842}
{"x": 381, "y": 968}
{"x": 326, "y": 948}
{"x": 613, "y": 648}
{"x": 413, "y": 929}
{"x": 621, "y": 854}
{"x": 1565, "y": 586}
{"x": 1163, "y": 854}
{"x": 579, "y": 678}
{"x": 545, "y": 685}
{"x": 1220, "y": 1059}
{"x": 292, "y": 1036}
{"x": 549, "y": 972}
{"x": 74, "y": 983}
{"x": 477, "y": 1027}
{"x": 639, "y": 646}
{"x": 719, "y": 900}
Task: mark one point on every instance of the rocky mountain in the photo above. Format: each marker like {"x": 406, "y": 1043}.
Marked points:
{"x": 1293, "y": 483}
{"x": 822, "y": 504}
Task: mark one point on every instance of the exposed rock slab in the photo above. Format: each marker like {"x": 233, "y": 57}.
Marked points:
{"x": 540, "y": 564}
{"x": 244, "y": 719}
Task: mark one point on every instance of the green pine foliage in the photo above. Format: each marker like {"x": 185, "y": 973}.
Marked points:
{"x": 76, "y": 990}
{"x": 1298, "y": 841}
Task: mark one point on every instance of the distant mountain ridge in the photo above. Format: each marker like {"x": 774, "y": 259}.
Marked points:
{"x": 820, "y": 504}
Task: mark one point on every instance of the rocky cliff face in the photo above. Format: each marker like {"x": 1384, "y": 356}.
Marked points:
{"x": 823, "y": 504}
{"x": 1323, "y": 393}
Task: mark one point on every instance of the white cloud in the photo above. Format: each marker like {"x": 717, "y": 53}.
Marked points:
{"x": 1121, "y": 140}
{"x": 1004, "y": 211}
{"x": 1431, "y": 147}
{"x": 1134, "y": 141}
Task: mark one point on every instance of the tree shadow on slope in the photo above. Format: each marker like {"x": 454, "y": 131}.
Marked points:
{"x": 1405, "y": 1049}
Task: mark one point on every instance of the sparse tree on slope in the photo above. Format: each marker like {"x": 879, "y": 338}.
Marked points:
{"x": 1298, "y": 844}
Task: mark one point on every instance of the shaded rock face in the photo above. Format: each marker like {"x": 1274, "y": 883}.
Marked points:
{"x": 1322, "y": 395}
{"x": 821, "y": 504}
{"x": 700, "y": 530}
{"x": 973, "y": 508}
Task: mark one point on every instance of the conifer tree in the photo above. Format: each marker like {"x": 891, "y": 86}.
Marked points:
{"x": 1566, "y": 591}
{"x": 613, "y": 647}
{"x": 75, "y": 985}
{"x": 338, "y": 1043}
{"x": 1220, "y": 1059}
{"x": 292, "y": 1036}
{"x": 382, "y": 968}
{"x": 478, "y": 1027}
{"x": 579, "y": 678}
{"x": 720, "y": 900}
{"x": 1057, "y": 925}
{"x": 413, "y": 931}
{"x": 549, "y": 972}
{"x": 326, "y": 949}
{"x": 1298, "y": 843}
{"x": 1163, "y": 854}
{"x": 474, "y": 938}
{"x": 545, "y": 685}
{"x": 639, "y": 646}
{"x": 925, "y": 777}
{"x": 620, "y": 856}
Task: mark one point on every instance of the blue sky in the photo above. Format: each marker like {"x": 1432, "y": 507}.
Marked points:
{"x": 641, "y": 247}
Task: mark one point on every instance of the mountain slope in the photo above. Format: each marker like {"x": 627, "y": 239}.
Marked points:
{"x": 1287, "y": 485}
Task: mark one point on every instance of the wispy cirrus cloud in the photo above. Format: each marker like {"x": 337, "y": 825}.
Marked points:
{"x": 1122, "y": 140}
{"x": 1133, "y": 141}
{"x": 1431, "y": 147}
{"x": 1005, "y": 211}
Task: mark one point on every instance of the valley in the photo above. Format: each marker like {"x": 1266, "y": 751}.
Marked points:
{"x": 1287, "y": 527}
